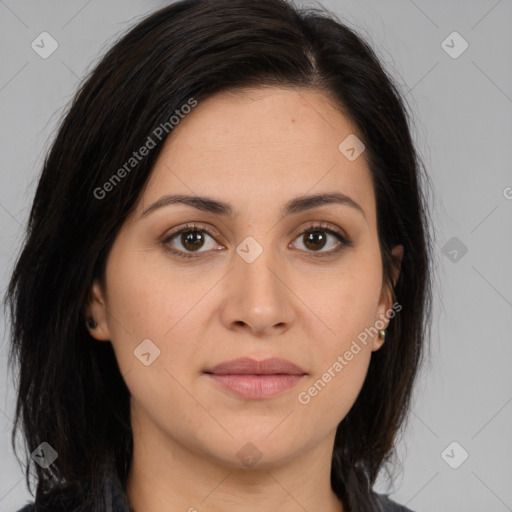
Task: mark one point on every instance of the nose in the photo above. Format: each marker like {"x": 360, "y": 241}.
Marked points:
{"x": 258, "y": 299}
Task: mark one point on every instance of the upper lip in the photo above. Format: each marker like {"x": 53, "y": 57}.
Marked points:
{"x": 248, "y": 366}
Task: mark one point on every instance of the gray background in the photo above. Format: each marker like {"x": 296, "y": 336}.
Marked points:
{"x": 463, "y": 127}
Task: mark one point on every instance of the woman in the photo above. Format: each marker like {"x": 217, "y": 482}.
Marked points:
{"x": 224, "y": 294}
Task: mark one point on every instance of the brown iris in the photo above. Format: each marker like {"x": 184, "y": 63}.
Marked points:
{"x": 314, "y": 237}
{"x": 192, "y": 240}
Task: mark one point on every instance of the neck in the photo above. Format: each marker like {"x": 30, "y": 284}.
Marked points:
{"x": 166, "y": 475}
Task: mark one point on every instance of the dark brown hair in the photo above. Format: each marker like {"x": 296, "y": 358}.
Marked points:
{"x": 71, "y": 393}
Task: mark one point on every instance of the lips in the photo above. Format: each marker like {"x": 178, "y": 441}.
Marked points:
{"x": 247, "y": 366}
{"x": 256, "y": 380}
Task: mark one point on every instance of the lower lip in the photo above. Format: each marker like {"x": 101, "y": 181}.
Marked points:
{"x": 256, "y": 387}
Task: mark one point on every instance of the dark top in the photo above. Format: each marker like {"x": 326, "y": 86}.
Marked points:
{"x": 120, "y": 503}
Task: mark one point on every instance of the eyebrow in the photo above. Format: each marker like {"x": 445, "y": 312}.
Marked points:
{"x": 294, "y": 206}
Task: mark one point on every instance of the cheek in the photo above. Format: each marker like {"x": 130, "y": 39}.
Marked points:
{"x": 331, "y": 392}
{"x": 343, "y": 351}
{"x": 347, "y": 302}
{"x": 345, "y": 306}
{"x": 145, "y": 300}
{"x": 153, "y": 339}
{"x": 148, "y": 302}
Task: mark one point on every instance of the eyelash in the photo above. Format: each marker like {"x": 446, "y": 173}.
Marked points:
{"x": 322, "y": 226}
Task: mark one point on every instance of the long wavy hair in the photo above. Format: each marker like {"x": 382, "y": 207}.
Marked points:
{"x": 70, "y": 391}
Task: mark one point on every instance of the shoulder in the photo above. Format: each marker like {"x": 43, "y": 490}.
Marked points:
{"x": 66, "y": 499}
{"x": 65, "y": 502}
{"x": 388, "y": 505}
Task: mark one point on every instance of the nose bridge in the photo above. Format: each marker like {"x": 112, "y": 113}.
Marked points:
{"x": 256, "y": 268}
{"x": 257, "y": 296}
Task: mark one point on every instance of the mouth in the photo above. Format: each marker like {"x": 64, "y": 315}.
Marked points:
{"x": 256, "y": 380}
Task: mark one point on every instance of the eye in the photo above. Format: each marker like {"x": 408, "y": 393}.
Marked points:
{"x": 191, "y": 238}
{"x": 316, "y": 238}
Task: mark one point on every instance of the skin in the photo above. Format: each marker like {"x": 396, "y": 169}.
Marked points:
{"x": 255, "y": 149}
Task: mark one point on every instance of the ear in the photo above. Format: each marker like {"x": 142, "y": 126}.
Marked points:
{"x": 96, "y": 309}
{"x": 386, "y": 298}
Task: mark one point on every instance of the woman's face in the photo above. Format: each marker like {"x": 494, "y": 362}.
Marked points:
{"x": 268, "y": 280}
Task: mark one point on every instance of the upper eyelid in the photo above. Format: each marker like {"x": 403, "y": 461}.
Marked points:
{"x": 192, "y": 226}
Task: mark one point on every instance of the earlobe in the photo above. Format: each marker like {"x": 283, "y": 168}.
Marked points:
{"x": 378, "y": 341}
{"x": 96, "y": 314}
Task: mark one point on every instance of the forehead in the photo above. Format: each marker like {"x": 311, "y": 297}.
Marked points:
{"x": 260, "y": 145}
